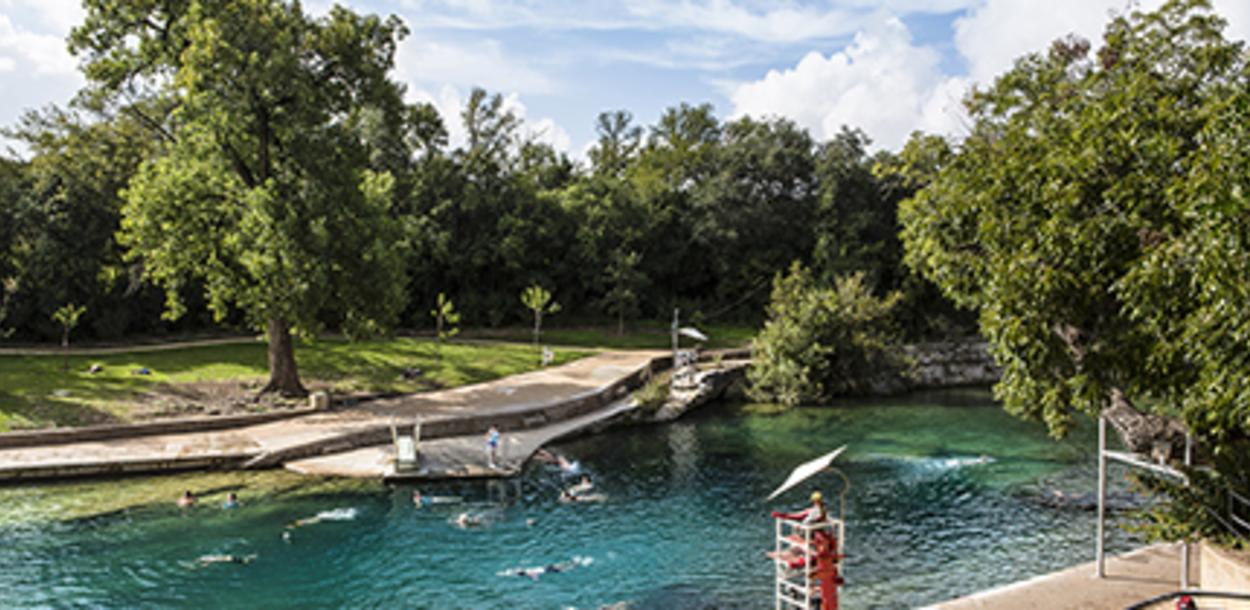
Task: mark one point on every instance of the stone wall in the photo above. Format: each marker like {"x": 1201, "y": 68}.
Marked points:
{"x": 953, "y": 363}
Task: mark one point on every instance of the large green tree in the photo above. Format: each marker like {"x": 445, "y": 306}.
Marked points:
{"x": 262, "y": 188}
{"x": 1094, "y": 218}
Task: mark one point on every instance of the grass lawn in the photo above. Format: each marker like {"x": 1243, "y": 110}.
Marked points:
{"x": 36, "y": 392}
{"x": 719, "y": 336}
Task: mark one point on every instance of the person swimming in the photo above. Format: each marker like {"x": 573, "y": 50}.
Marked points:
{"x": 205, "y": 560}
{"x": 187, "y": 499}
{"x": 421, "y": 500}
{"x": 466, "y": 520}
{"x": 567, "y": 497}
{"x": 582, "y": 487}
{"x": 536, "y": 572}
{"x": 232, "y": 501}
{"x": 338, "y": 514}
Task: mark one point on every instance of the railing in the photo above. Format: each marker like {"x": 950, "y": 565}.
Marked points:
{"x": 1166, "y": 597}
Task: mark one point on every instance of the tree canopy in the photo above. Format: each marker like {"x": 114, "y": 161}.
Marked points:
{"x": 262, "y": 188}
{"x": 1088, "y": 219}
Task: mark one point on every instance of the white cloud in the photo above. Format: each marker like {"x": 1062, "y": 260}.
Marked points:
{"x": 881, "y": 83}
{"x": 887, "y": 86}
{"x": 993, "y": 35}
{"x": 59, "y": 15}
{"x": 7, "y": 64}
{"x": 41, "y": 53}
{"x": 484, "y": 64}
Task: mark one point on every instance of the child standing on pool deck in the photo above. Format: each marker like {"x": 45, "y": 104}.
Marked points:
{"x": 492, "y": 446}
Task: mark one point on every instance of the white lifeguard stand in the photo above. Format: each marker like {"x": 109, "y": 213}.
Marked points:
{"x": 808, "y": 569}
{"x": 807, "y": 553}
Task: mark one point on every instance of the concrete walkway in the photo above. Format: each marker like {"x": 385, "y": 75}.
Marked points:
{"x": 1132, "y": 577}
{"x": 521, "y": 401}
{"x": 454, "y": 457}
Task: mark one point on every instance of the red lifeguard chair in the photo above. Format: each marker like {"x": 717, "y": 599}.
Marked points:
{"x": 807, "y": 554}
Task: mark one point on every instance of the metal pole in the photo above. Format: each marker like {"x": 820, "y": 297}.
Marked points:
{"x": 1189, "y": 460}
{"x": 1100, "y": 550}
{"x": 674, "y": 331}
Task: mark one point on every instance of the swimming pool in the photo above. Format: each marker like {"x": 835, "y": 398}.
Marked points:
{"x": 944, "y": 502}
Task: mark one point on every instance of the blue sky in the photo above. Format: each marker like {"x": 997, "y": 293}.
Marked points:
{"x": 887, "y": 66}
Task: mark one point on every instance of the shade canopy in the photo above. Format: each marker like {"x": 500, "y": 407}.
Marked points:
{"x": 807, "y": 469}
{"x": 693, "y": 333}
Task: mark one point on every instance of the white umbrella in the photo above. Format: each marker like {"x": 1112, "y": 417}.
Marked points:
{"x": 693, "y": 333}
{"x": 807, "y": 469}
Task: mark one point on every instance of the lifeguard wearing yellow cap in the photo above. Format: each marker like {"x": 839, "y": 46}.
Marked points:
{"x": 816, "y": 497}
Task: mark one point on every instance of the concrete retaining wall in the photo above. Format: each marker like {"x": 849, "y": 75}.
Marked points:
{"x": 1225, "y": 571}
{"x": 108, "y": 432}
{"x": 116, "y": 468}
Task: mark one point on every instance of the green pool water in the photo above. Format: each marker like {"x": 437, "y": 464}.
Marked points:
{"x": 683, "y": 525}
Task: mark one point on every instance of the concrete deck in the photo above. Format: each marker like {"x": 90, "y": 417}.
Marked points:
{"x": 1132, "y": 577}
{"x": 454, "y": 457}
{"x": 527, "y": 400}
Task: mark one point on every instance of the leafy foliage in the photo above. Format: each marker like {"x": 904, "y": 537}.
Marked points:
{"x": 446, "y": 320}
{"x": 538, "y": 300}
{"x": 260, "y": 190}
{"x": 1095, "y": 220}
{"x": 821, "y": 342}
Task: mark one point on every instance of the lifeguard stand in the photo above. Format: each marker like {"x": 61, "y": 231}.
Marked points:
{"x": 807, "y": 552}
{"x": 808, "y": 562}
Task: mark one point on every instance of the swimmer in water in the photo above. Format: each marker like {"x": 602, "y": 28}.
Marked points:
{"x": 567, "y": 497}
{"x": 232, "y": 501}
{"x": 420, "y": 500}
{"x": 536, "y": 572}
{"x": 338, "y": 514}
{"x": 465, "y": 520}
{"x": 582, "y": 487}
{"x": 205, "y": 560}
{"x": 187, "y": 499}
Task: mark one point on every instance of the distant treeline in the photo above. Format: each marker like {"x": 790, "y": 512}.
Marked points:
{"x": 690, "y": 212}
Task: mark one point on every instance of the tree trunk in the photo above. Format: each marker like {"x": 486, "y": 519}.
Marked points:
{"x": 283, "y": 373}
{"x": 1161, "y": 437}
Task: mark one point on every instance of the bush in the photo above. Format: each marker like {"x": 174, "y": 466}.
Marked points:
{"x": 1202, "y": 508}
{"x": 820, "y": 342}
{"x": 652, "y": 396}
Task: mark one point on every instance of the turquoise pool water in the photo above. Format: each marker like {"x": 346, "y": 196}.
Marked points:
{"x": 683, "y": 524}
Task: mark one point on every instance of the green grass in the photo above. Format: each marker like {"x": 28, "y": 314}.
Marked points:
{"x": 720, "y": 336}
{"x": 36, "y": 392}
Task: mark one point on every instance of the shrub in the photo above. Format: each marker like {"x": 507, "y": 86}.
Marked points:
{"x": 820, "y": 342}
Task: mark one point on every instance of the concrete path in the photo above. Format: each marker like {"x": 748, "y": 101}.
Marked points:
{"x": 454, "y": 457}
{"x": 526, "y": 395}
{"x": 1131, "y": 578}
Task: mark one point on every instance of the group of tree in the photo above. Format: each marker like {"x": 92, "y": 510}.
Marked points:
{"x": 1095, "y": 219}
{"x": 249, "y": 165}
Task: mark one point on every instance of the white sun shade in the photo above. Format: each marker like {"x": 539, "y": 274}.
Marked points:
{"x": 807, "y": 469}
{"x": 693, "y": 333}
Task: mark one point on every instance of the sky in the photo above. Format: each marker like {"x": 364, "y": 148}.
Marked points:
{"x": 888, "y": 67}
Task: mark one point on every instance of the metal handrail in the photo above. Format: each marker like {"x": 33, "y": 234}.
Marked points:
{"x": 1142, "y": 605}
